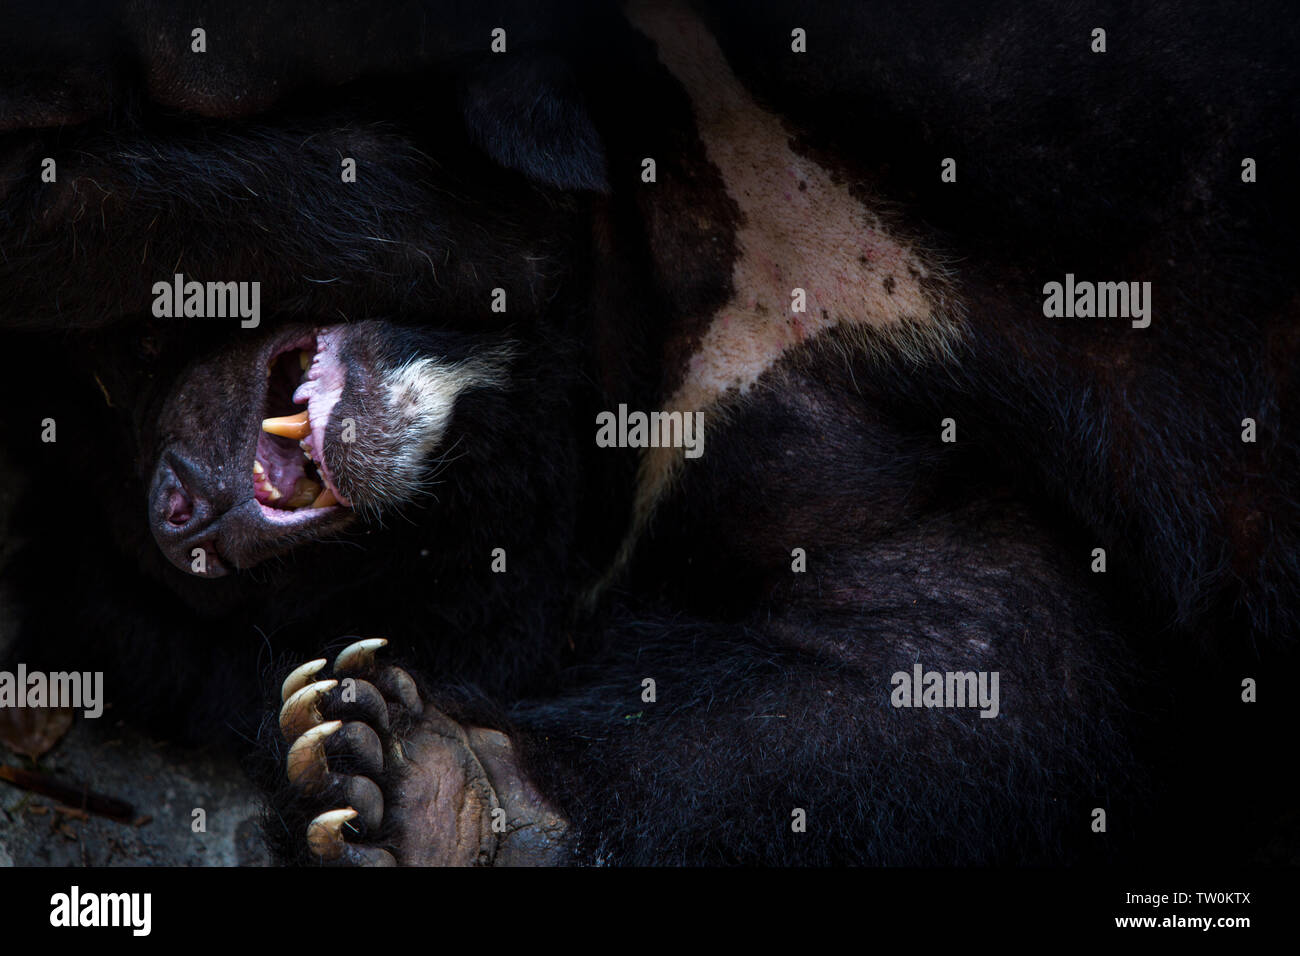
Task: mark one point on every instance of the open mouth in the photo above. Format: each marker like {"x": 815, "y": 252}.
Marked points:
{"x": 291, "y": 481}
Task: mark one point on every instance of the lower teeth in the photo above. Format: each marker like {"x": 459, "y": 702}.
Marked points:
{"x": 305, "y": 491}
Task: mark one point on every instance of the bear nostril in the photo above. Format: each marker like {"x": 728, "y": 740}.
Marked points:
{"x": 180, "y": 509}
{"x": 177, "y": 506}
{"x": 184, "y": 518}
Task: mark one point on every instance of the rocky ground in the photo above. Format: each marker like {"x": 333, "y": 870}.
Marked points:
{"x": 163, "y": 784}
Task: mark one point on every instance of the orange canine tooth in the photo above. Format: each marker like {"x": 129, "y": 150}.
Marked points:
{"x": 325, "y": 500}
{"x": 290, "y": 426}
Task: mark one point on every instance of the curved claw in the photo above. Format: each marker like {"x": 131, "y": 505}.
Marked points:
{"x": 359, "y": 656}
{"x": 305, "y": 764}
{"x": 399, "y": 686}
{"x": 299, "y": 678}
{"x": 325, "y": 833}
{"x": 301, "y": 712}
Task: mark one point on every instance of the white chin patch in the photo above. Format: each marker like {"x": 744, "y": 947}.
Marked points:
{"x": 420, "y": 398}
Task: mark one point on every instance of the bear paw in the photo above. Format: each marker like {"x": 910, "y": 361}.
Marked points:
{"x": 400, "y": 783}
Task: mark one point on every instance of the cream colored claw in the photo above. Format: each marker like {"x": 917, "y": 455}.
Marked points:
{"x": 325, "y": 833}
{"x": 359, "y": 656}
{"x": 301, "y": 712}
{"x": 306, "y": 761}
{"x": 299, "y": 678}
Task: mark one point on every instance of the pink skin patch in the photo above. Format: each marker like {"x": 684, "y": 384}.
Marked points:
{"x": 804, "y": 237}
{"x": 282, "y": 459}
{"x": 320, "y": 392}
{"x": 812, "y": 256}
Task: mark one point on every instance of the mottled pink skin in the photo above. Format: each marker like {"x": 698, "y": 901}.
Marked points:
{"x": 320, "y": 393}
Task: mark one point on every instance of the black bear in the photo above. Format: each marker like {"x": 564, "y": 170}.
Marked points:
{"x": 835, "y": 593}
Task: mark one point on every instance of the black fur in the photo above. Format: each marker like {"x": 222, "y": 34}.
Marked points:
{"x": 773, "y": 687}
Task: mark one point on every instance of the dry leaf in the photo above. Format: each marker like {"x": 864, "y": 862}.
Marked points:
{"x": 32, "y": 731}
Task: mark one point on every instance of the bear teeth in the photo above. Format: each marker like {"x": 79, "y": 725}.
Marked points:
{"x": 296, "y": 427}
{"x": 279, "y": 482}
{"x": 306, "y": 491}
{"x": 325, "y": 500}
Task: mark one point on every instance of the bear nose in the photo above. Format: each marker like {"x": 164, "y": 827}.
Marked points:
{"x": 176, "y": 501}
{"x": 184, "y": 515}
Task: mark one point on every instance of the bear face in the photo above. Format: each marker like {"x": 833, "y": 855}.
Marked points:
{"x": 325, "y": 425}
